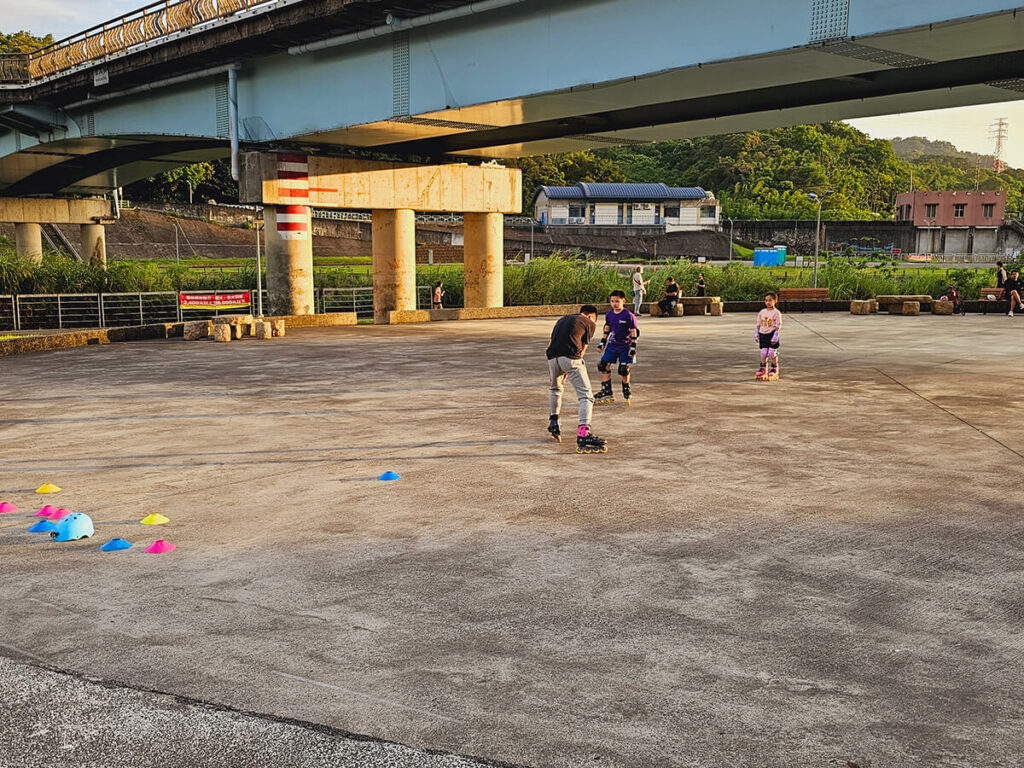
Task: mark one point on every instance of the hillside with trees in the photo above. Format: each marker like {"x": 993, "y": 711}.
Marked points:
{"x": 767, "y": 174}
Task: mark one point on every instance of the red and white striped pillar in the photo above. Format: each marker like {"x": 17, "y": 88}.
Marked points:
{"x": 288, "y": 235}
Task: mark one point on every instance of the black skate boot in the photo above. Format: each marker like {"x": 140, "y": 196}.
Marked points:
{"x": 627, "y": 394}
{"x": 553, "y": 430}
{"x": 605, "y": 394}
{"x": 588, "y": 442}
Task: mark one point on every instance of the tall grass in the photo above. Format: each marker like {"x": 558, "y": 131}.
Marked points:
{"x": 555, "y": 280}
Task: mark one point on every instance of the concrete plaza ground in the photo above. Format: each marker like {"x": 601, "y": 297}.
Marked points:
{"x": 826, "y": 571}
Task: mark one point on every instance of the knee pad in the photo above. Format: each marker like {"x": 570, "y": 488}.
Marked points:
{"x": 603, "y": 366}
{"x": 623, "y": 369}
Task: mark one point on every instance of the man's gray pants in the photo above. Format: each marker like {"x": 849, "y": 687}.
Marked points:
{"x": 561, "y": 368}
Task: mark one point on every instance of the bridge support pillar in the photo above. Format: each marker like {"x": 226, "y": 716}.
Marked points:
{"x": 94, "y": 244}
{"x": 394, "y": 262}
{"x": 288, "y": 238}
{"x": 484, "y": 259}
{"x": 28, "y": 241}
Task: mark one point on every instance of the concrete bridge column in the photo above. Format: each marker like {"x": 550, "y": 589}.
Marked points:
{"x": 288, "y": 238}
{"x": 394, "y": 262}
{"x": 94, "y": 244}
{"x": 28, "y": 241}
{"x": 484, "y": 259}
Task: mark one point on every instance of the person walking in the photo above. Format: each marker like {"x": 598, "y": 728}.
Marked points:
{"x": 639, "y": 288}
{"x": 1000, "y": 274}
{"x": 701, "y": 285}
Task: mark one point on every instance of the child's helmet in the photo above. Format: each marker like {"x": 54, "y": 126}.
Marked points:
{"x": 73, "y": 527}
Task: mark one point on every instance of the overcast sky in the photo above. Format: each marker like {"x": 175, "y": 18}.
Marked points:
{"x": 967, "y": 127}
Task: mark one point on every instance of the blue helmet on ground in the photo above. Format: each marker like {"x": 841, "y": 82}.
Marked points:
{"x": 73, "y": 527}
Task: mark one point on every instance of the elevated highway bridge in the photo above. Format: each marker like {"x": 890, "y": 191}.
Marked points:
{"x": 332, "y": 82}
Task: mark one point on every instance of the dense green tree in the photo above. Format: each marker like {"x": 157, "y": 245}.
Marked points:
{"x": 23, "y": 42}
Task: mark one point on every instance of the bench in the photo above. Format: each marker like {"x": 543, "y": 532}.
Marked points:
{"x": 893, "y": 304}
{"x": 690, "y": 305}
{"x": 998, "y": 296}
{"x": 803, "y": 295}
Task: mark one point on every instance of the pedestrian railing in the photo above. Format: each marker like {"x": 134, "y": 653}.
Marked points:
{"x": 52, "y": 311}
{"x": 151, "y": 25}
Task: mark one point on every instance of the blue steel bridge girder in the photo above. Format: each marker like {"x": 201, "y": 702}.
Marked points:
{"x": 530, "y": 78}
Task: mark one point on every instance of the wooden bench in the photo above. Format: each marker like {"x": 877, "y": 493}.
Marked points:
{"x": 998, "y": 296}
{"x": 803, "y": 295}
{"x": 887, "y": 301}
{"x": 688, "y": 305}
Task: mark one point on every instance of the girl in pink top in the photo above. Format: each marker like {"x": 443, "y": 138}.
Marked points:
{"x": 769, "y": 323}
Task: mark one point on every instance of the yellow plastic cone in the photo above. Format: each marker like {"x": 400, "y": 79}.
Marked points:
{"x": 155, "y": 519}
{"x": 47, "y": 488}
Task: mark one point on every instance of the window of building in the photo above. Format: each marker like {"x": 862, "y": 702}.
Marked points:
{"x": 988, "y": 210}
{"x": 577, "y": 211}
{"x": 959, "y": 210}
{"x": 930, "y": 209}
{"x": 708, "y": 211}
{"x": 671, "y": 211}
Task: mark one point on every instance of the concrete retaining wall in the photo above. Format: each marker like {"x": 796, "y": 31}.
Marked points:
{"x": 487, "y": 313}
{"x": 68, "y": 339}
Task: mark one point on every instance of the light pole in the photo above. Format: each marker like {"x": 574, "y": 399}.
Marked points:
{"x": 817, "y": 230}
{"x": 730, "y": 239}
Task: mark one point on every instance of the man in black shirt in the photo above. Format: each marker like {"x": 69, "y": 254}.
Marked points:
{"x": 1013, "y": 290}
{"x": 671, "y": 297}
{"x": 569, "y": 340}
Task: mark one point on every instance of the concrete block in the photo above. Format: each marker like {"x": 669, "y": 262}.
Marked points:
{"x": 233, "y": 319}
{"x": 222, "y": 332}
{"x": 910, "y": 308}
{"x": 277, "y": 328}
{"x": 942, "y": 307}
{"x": 874, "y": 305}
{"x": 262, "y": 329}
{"x": 716, "y": 308}
{"x": 858, "y": 307}
{"x": 238, "y": 330}
{"x": 198, "y": 329}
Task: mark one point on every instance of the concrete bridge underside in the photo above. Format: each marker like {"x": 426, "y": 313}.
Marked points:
{"x": 518, "y": 80}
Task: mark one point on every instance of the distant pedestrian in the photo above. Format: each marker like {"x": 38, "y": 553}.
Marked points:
{"x": 1000, "y": 274}
{"x": 438, "y": 296}
{"x": 569, "y": 340}
{"x": 1014, "y": 290}
{"x": 701, "y": 285}
{"x": 639, "y": 288}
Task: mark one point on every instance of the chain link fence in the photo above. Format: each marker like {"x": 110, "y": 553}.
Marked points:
{"x": 53, "y": 311}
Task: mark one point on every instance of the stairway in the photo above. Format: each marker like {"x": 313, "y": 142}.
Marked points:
{"x": 58, "y": 241}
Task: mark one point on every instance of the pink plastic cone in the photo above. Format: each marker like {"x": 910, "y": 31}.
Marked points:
{"x": 160, "y": 546}
{"x": 45, "y": 511}
{"x": 6, "y": 508}
{"x": 57, "y": 514}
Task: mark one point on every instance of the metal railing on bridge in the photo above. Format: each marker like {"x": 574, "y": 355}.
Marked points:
{"x": 54, "y": 311}
{"x": 152, "y": 24}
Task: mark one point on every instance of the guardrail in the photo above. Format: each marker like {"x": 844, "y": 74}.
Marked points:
{"x": 335, "y": 215}
{"x": 54, "y": 311}
{"x": 139, "y": 29}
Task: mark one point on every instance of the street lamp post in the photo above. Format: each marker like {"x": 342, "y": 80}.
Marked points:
{"x": 730, "y": 239}
{"x": 817, "y": 230}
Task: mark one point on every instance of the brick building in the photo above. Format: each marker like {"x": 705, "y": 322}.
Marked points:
{"x": 954, "y": 221}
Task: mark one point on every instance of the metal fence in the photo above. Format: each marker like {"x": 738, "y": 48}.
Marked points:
{"x": 51, "y": 311}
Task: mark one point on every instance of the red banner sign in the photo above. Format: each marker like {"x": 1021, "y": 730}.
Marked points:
{"x": 214, "y": 300}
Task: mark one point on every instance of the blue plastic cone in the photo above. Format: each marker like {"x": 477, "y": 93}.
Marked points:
{"x": 115, "y": 544}
{"x": 43, "y": 526}
{"x": 389, "y": 476}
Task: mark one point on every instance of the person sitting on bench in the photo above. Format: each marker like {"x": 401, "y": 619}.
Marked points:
{"x": 671, "y": 297}
{"x": 1013, "y": 289}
